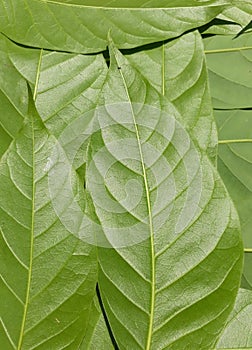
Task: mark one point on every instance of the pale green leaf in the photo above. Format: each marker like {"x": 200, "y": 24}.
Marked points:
{"x": 83, "y": 27}
{"x": 222, "y": 27}
{"x": 230, "y": 74}
{"x": 235, "y": 166}
{"x": 13, "y": 98}
{"x": 65, "y": 89}
{"x": 178, "y": 71}
{"x": 232, "y": 20}
{"x": 48, "y": 276}
{"x": 244, "y": 5}
{"x": 229, "y": 63}
{"x": 96, "y": 336}
{"x": 238, "y": 331}
{"x": 240, "y": 14}
{"x": 175, "y": 287}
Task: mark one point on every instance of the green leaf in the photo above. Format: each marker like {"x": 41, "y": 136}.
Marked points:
{"x": 70, "y": 25}
{"x": 48, "y": 276}
{"x": 68, "y": 87}
{"x": 240, "y": 14}
{"x": 237, "y": 334}
{"x": 243, "y": 5}
{"x": 13, "y": 99}
{"x": 171, "y": 275}
{"x": 229, "y": 65}
{"x": 97, "y": 336}
{"x": 26, "y": 61}
{"x": 222, "y": 27}
{"x": 178, "y": 71}
{"x": 232, "y": 21}
{"x": 235, "y": 167}
{"x": 65, "y": 89}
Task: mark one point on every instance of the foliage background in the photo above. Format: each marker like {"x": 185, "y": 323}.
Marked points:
{"x": 54, "y": 58}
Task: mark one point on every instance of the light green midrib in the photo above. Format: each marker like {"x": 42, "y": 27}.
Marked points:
{"x": 21, "y": 337}
{"x": 223, "y": 142}
{"x": 58, "y": 3}
{"x": 37, "y": 75}
{"x": 163, "y": 69}
{"x": 153, "y": 267}
{"x": 231, "y": 49}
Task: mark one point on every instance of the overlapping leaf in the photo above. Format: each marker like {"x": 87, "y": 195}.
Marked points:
{"x": 48, "y": 276}
{"x": 178, "y": 71}
{"x": 235, "y": 168}
{"x": 229, "y": 62}
{"x": 233, "y": 20}
{"x": 229, "y": 65}
{"x": 238, "y": 331}
{"x": 65, "y": 88}
{"x": 79, "y": 79}
{"x": 96, "y": 336}
{"x": 54, "y": 270}
{"x": 240, "y": 14}
{"x": 67, "y": 85}
{"x": 13, "y": 99}
{"x": 176, "y": 286}
{"x": 243, "y": 5}
{"x": 78, "y": 27}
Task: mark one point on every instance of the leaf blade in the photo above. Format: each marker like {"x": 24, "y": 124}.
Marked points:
{"x": 183, "y": 83}
{"x": 48, "y": 258}
{"x": 237, "y": 332}
{"x": 126, "y": 271}
{"x": 49, "y": 22}
{"x": 14, "y": 99}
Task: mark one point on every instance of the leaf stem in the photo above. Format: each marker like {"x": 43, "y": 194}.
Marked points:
{"x": 232, "y": 49}
{"x": 37, "y": 75}
{"x": 247, "y": 250}
{"x": 28, "y": 290}
{"x": 163, "y": 69}
{"x": 235, "y": 141}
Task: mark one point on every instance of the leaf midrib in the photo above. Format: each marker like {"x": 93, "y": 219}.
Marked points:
{"x": 21, "y": 336}
{"x": 131, "y": 8}
{"x": 153, "y": 267}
